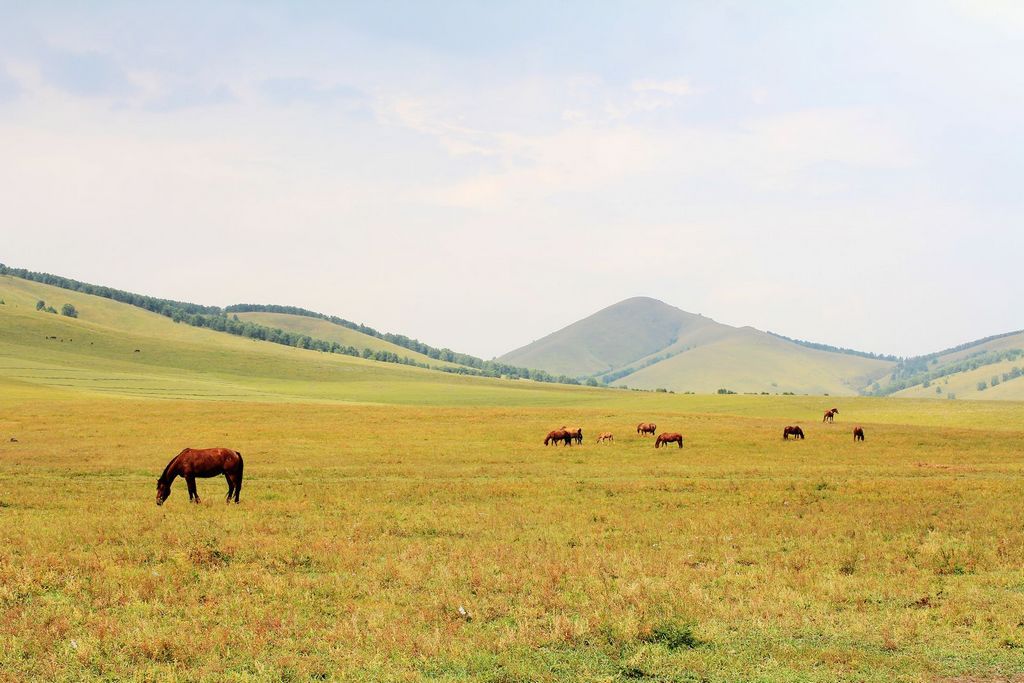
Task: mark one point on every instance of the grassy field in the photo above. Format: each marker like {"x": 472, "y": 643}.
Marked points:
{"x": 364, "y": 529}
{"x": 402, "y": 524}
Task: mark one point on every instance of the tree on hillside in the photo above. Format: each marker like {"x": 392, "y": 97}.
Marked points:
{"x": 982, "y": 386}
{"x": 40, "y": 305}
{"x": 69, "y": 310}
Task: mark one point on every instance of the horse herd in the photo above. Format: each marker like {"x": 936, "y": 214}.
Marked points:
{"x": 202, "y": 463}
{"x": 829, "y": 417}
{"x": 570, "y": 436}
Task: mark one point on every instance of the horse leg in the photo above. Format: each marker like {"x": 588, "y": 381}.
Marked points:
{"x": 193, "y": 495}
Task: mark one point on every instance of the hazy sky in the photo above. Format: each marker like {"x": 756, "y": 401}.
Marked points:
{"x": 478, "y": 174}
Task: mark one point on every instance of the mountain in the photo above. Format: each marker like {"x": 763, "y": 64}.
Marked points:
{"x": 644, "y": 343}
{"x": 647, "y": 344}
{"x": 615, "y": 337}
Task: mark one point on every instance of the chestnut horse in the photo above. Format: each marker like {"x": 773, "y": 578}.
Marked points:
{"x": 556, "y": 435}
{"x": 576, "y": 434}
{"x": 203, "y": 463}
{"x": 858, "y": 433}
{"x": 646, "y": 428}
{"x": 795, "y": 432}
{"x": 605, "y": 436}
{"x": 667, "y": 438}
{"x": 830, "y": 415}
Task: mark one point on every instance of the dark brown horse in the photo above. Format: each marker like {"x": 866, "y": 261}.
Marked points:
{"x": 576, "y": 434}
{"x": 794, "y": 432}
{"x": 203, "y": 463}
{"x": 667, "y": 438}
{"x": 556, "y": 435}
{"x": 646, "y": 428}
{"x": 858, "y": 433}
{"x": 830, "y": 415}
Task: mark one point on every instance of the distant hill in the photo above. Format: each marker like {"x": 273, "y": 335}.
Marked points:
{"x": 989, "y": 368}
{"x": 644, "y": 343}
{"x": 640, "y": 343}
{"x": 647, "y": 344}
{"x": 118, "y": 348}
{"x": 615, "y": 337}
{"x": 218, "y": 319}
{"x": 319, "y": 328}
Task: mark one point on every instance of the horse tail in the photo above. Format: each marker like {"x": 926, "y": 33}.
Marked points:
{"x": 241, "y": 466}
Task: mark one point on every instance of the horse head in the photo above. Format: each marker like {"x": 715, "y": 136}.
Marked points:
{"x": 163, "y": 490}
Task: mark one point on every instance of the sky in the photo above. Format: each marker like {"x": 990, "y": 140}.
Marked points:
{"x": 480, "y": 174}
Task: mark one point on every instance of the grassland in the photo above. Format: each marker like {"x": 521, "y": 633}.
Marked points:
{"x": 363, "y": 529}
{"x": 380, "y": 499}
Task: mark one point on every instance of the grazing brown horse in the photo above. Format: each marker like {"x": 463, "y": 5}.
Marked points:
{"x": 556, "y": 435}
{"x": 646, "y": 428}
{"x": 795, "y": 432}
{"x": 203, "y": 463}
{"x": 667, "y": 438}
{"x": 830, "y": 415}
{"x": 858, "y": 433}
{"x": 605, "y": 436}
{"x": 576, "y": 434}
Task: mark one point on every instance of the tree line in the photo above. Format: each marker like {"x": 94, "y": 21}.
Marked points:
{"x": 837, "y": 349}
{"x": 489, "y": 368}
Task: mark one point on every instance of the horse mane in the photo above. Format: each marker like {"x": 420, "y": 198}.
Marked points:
{"x": 163, "y": 476}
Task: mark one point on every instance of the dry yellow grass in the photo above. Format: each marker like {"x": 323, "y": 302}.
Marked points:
{"x": 364, "y": 529}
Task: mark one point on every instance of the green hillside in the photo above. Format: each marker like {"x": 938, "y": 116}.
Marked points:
{"x": 647, "y": 344}
{"x": 965, "y": 385}
{"x": 639, "y": 343}
{"x": 991, "y": 368}
{"x": 96, "y": 353}
{"x": 747, "y": 360}
{"x": 324, "y": 329}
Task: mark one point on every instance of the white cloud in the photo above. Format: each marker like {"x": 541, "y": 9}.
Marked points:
{"x": 679, "y": 87}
